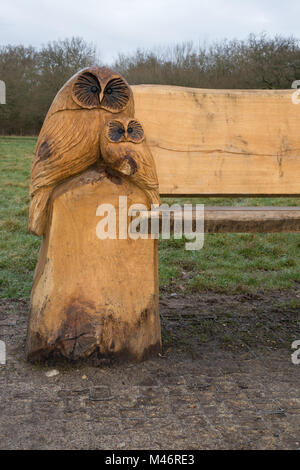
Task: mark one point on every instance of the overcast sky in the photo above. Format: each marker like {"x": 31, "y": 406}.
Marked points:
{"x": 124, "y": 25}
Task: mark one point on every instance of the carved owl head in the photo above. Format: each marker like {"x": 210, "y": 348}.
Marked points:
{"x": 95, "y": 88}
{"x": 101, "y": 88}
{"x": 124, "y": 130}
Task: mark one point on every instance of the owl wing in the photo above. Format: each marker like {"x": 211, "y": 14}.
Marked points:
{"x": 146, "y": 176}
{"x": 67, "y": 145}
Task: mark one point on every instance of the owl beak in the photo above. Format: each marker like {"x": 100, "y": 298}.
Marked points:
{"x": 101, "y": 95}
{"x": 128, "y": 166}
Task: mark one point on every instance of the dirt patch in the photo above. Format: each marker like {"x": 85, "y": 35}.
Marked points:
{"x": 225, "y": 380}
{"x": 231, "y": 322}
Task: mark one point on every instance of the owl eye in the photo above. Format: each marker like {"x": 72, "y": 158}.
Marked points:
{"x": 86, "y": 90}
{"x": 115, "y": 131}
{"x": 116, "y": 95}
{"x": 135, "y": 132}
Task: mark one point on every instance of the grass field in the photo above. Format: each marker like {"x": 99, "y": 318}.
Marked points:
{"x": 227, "y": 263}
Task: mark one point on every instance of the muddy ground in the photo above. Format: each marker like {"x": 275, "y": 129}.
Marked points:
{"x": 225, "y": 380}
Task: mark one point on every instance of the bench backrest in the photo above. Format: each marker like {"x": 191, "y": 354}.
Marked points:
{"x": 222, "y": 142}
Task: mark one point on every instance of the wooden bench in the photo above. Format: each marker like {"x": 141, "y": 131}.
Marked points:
{"x": 227, "y": 143}
{"x": 100, "y": 296}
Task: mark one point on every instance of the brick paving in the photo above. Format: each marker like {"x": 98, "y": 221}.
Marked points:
{"x": 217, "y": 400}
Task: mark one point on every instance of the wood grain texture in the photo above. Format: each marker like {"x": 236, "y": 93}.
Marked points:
{"x": 93, "y": 296}
{"x": 221, "y": 142}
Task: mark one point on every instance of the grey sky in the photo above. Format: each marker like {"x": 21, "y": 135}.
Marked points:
{"x": 124, "y": 25}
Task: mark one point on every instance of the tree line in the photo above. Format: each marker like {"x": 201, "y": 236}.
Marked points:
{"x": 33, "y": 76}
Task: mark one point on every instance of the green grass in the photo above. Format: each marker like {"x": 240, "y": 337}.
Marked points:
{"x": 18, "y": 249}
{"x": 232, "y": 263}
{"x": 227, "y": 263}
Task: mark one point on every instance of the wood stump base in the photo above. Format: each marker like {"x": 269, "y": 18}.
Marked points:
{"x": 90, "y": 295}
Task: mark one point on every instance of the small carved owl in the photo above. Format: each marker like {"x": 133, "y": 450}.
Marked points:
{"x": 123, "y": 148}
{"x": 69, "y": 139}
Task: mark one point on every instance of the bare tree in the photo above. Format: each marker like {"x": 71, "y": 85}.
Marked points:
{"x": 33, "y": 77}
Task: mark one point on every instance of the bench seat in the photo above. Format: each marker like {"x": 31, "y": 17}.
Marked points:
{"x": 225, "y": 219}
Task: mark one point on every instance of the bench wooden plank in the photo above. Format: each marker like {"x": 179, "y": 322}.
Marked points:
{"x": 251, "y": 219}
{"x": 243, "y": 219}
{"x": 222, "y": 142}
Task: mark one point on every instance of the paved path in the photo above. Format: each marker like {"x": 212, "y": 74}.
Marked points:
{"x": 214, "y": 399}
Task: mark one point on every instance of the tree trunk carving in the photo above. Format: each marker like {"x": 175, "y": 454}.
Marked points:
{"x": 92, "y": 295}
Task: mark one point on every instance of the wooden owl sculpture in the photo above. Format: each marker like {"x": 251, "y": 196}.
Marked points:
{"x": 69, "y": 139}
{"x": 123, "y": 148}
